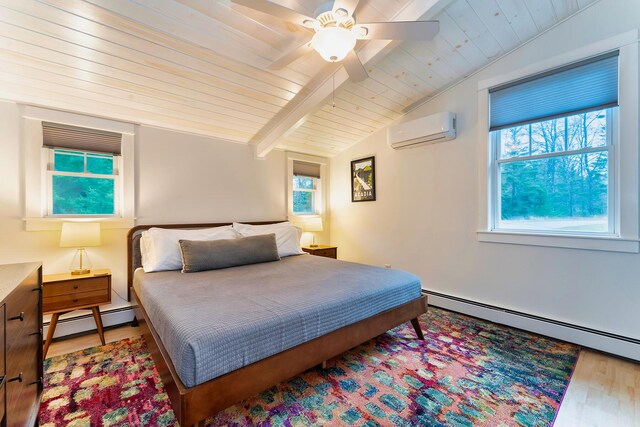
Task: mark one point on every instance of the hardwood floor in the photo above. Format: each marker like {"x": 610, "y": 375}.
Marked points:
{"x": 604, "y": 390}
{"x": 87, "y": 341}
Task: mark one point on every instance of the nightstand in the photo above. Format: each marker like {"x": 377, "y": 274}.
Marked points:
{"x": 62, "y": 293}
{"x": 322, "y": 250}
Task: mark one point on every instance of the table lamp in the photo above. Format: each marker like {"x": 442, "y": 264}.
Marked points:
{"x": 312, "y": 225}
{"x": 80, "y": 235}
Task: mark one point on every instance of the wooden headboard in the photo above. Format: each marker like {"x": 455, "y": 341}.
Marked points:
{"x": 134, "y": 259}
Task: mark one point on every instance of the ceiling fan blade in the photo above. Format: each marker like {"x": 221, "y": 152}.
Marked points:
{"x": 276, "y": 10}
{"x": 348, "y": 5}
{"x": 354, "y": 67}
{"x": 291, "y": 56}
{"x": 400, "y": 30}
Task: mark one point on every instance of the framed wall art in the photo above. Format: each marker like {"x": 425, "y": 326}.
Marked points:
{"x": 363, "y": 179}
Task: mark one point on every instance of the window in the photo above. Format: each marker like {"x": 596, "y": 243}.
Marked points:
{"x": 304, "y": 193}
{"x": 82, "y": 171}
{"x": 553, "y": 163}
{"x": 555, "y": 175}
{"x": 82, "y": 183}
{"x": 87, "y": 163}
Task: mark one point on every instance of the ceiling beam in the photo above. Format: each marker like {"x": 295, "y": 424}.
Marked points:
{"x": 313, "y": 96}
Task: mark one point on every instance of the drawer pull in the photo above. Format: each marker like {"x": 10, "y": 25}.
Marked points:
{"x": 38, "y": 381}
{"x": 38, "y": 332}
{"x": 75, "y": 300}
{"x": 18, "y": 378}
{"x": 75, "y": 286}
{"x": 18, "y": 317}
{"x": 36, "y": 289}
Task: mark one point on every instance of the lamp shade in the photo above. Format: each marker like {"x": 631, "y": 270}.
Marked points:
{"x": 80, "y": 234}
{"x": 312, "y": 224}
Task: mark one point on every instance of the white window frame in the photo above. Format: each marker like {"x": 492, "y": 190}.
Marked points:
{"x": 316, "y": 191}
{"x": 612, "y": 160}
{"x": 37, "y": 162}
{"x": 115, "y": 176}
{"x": 320, "y": 199}
{"x": 625, "y": 160}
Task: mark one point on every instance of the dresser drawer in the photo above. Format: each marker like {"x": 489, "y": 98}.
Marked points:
{"x": 20, "y": 393}
{"x": 23, "y": 317}
{"x": 2, "y": 398}
{"x": 24, "y": 358}
{"x": 23, "y": 391}
{"x": 75, "y": 300}
{"x": 2, "y": 342}
{"x": 75, "y": 286}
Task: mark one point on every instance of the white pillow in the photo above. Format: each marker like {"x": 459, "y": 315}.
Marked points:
{"x": 239, "y": 226}
{"x": 287, "y": 236}
{"x": 144, "y": 251}
{"x": 160, "y": 249}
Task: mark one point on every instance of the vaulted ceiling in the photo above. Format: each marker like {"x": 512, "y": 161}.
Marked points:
{"x": 200, "y": 66}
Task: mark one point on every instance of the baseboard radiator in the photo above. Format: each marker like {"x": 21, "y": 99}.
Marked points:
{"x": 83, "y": 321}
{"x": 610, "y": 343}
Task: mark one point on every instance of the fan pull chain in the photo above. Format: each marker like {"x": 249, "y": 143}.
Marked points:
{"x": 333, "y": 90}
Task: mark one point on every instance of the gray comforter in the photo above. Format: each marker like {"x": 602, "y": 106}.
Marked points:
{"x": 214, "y": 322}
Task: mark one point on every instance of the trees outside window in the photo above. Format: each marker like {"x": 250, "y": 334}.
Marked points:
{"x": 82, "y": 183}
{"x": 304, "y": 191}
{"x": 555, "y": 174}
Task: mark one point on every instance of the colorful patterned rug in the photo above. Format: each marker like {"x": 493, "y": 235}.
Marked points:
{"x": 467, "y": 372}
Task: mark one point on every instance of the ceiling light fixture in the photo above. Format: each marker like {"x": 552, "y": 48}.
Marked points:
{"x": 336, "y": 32}
{"x": 311, "y": 23}
{"x": 333, "y": 43}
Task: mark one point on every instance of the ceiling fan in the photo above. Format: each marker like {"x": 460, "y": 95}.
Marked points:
{"x": 336, "y": 32}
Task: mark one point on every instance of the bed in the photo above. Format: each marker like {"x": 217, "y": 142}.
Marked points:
{"x": 228, "y": 334}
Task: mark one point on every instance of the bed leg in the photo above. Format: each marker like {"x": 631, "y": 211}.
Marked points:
{"x": 329, "y": 363}
{"x": 418, "y": 329}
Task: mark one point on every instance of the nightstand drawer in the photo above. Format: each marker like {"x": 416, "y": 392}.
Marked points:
{"x": 328, "y": 253}
{"x": 75, "y": 286}
{"x": 78, "y": 299}
{"x": 322, "y": 250}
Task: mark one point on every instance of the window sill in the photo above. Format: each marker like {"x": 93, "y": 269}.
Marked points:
{"x": 592, "y": 243}
{"x": 50, "y": 224}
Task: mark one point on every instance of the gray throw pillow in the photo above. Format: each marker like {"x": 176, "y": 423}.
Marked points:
{"x": 201, "y": 255}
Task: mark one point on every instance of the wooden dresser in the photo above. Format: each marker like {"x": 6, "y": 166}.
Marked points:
{"x": 20, "y": 343}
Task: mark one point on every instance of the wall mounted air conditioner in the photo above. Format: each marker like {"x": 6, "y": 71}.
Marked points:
{"x": 425, "y": 130}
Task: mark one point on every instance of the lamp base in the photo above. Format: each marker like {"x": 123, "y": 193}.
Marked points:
{"x": 80, "y": 265}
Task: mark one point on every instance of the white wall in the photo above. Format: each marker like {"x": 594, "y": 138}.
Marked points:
{"x": 179, "y": 178}
{"x": 186, "y": 178}
{"x": 426, "y": 214}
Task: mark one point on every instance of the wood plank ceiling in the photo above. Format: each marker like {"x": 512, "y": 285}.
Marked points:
{"x": 200, "y": 66}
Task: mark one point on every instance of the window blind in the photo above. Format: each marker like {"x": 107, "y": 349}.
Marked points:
{"x": 587, "y": 85}
{"x": 311, "y": 170}
{"x": 56, "y": 135}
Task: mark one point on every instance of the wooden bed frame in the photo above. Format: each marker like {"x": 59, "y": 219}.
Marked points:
{"x": 195, "y": 404}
